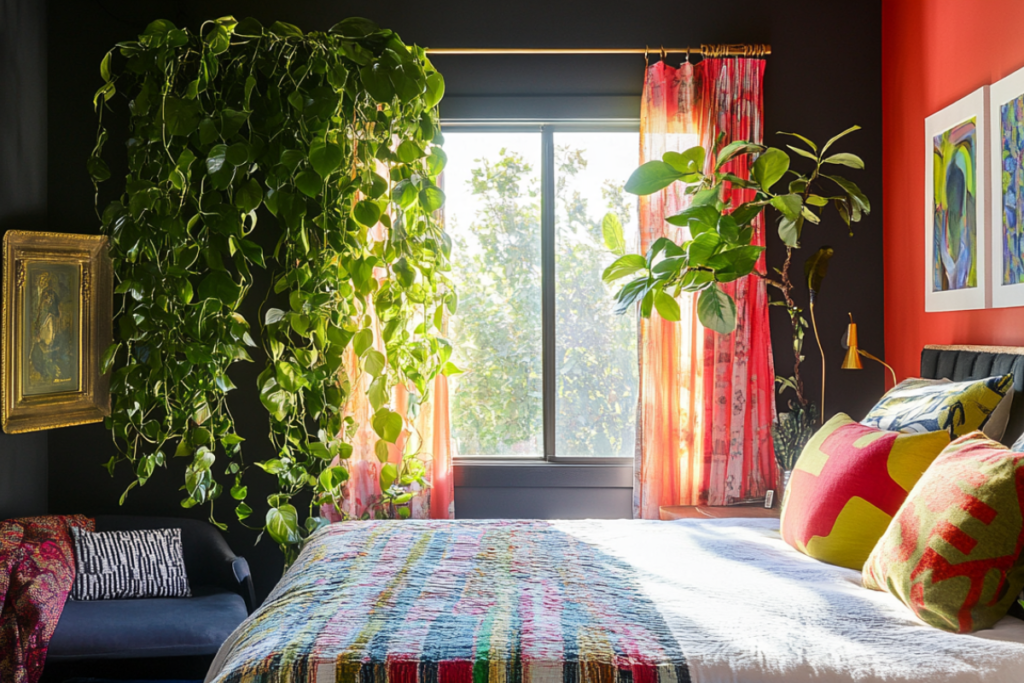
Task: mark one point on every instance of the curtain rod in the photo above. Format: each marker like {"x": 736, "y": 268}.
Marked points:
{"x": 736, "y": 50}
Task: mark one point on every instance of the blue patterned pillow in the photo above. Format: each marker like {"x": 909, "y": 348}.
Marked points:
{"x": 927, "y": 405}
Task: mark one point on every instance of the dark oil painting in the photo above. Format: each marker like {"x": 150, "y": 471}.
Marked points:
{"x": 51, "y": 344}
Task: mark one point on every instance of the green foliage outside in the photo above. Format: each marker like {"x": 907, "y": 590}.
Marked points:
{"x": 497, "y": 403}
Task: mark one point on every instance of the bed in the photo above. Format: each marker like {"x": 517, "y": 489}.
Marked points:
{"x": 615, "y": 601}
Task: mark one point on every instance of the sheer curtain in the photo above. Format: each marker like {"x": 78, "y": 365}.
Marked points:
{"x": 706, "y": 400}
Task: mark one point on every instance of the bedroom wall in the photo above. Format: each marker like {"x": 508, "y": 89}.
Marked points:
{"x": 822, "y": 77}
{"x": 23, "y": 461}
{"x": 933, "y": 53}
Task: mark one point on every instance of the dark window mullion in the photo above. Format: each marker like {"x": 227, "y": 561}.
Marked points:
{"x": 547, "y": 260}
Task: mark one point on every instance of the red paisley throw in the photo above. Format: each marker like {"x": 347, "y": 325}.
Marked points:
{"x": 37, "y": 568}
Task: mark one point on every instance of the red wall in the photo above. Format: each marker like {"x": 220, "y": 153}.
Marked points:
{"x": 933, "y": 53}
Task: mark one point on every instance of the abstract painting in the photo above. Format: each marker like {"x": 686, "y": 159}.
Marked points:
{"x": 57, "y": 305}
{"x": 1007, "y": 188}
{"x": 957, "y": 219}
{"x": 955, "y": 225}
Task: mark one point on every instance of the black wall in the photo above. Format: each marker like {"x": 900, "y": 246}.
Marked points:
{"x": 823, "y": 76}
{"x": 23, "y": 485}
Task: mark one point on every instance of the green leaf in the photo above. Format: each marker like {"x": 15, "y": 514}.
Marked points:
{"x": 409, "y": 152}
{"x": 107, "y": 359}
{"x": 806, "y": 141}
{"x": 611, "y": 231}
{"x": 388, "y": 425}
{"x": 374, "y": 362}
{"x": 769, "y": 168}
{"x": 105, "y": 67}
{"x": 219, "y": 285}
{"x": 249, "y": 196}
{"x": 285, "y": 30}
{"x": 431, "y": 198}
{"x": 689, "y": 162}
{"x": 846, "y": 159}
{"x": 837, "y": 137}
{"x": 310, "y": 184}
{"x": 789, "y": 205}
{"x": 667, "y": 307}
{"x": 367, "y": 212}
{"x": 651, "y": 177}
{"x": 404, "y": 272}
{"x": 816, "y": 268}
{"x": 283, "y": 522}
{"x": 623, "y": 266}
{"x": 362, "y": 341}
{"x": 354, "y": 27}
{"x": 216, "y": 158}
{"x": 790, "y": 229}
{"x": 238, "y": 154}
{"x": 716, "y": 310}
{"x": 377, "y": 81}
{"x": 435, "y": 90}
{"x": 239, "y": 492}
{"x": 98, "y": 169}
{"x": 854, "y": 192}
{"x": 380, "y": 449}
{"x": 804, "y": 153}
{"x": 325, "y": 158}
{"x": 735, "y": 149}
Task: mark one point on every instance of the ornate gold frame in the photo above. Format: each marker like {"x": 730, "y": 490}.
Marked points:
{"x": 90, "y": 400}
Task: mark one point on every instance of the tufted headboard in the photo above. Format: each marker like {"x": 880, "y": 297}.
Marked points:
{"x": 959, "y": 363}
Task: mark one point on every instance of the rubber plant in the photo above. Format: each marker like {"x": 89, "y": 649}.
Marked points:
{"x": 716, "y": 246}
{"x": 332, "y": 141}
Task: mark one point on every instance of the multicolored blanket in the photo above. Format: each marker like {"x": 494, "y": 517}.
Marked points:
{"x": 37, "y": 568}
{"x": 456, "y": 602}
{"x": 591, "y": 601}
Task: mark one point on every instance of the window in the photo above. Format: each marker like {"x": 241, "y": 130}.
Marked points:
{"x": 549, "y": 371}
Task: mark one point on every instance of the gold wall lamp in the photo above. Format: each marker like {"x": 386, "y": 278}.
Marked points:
{"x": 854, "y": 352}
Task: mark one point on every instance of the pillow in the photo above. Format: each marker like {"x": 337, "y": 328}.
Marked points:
{"x": 129, "y": 564}
{"x": 925, "y": 405}
{"x": 848, "y": 483}
{"x": 952, "y": 553}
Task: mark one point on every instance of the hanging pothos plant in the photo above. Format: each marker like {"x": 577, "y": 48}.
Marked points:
{"x": 336, "y": 135}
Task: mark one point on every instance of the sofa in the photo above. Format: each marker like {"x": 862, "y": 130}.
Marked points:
{"x": 181, "y": 628}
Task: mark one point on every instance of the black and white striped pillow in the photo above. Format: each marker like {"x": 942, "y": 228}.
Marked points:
{"x": 129, "y": 564}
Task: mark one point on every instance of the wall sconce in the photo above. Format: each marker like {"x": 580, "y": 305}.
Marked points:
{"x": 854, "y": 352}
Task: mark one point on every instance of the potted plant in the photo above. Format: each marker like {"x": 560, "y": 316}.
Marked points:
{"x": 717, "y": 248}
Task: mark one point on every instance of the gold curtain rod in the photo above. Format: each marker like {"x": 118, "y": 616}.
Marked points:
{"x": 740, "y": 50}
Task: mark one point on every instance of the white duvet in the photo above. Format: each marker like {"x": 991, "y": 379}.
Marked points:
{"x": 748, "y": 608}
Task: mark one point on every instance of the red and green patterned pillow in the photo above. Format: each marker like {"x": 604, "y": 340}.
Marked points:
{"x": 952, "y": 553}
{"x": 848, "y": 483}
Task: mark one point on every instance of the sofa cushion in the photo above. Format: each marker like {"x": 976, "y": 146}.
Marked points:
{"x": 147, "y": 627}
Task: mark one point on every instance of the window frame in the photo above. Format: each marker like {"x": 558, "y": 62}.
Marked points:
{"x": 549, "y": 374}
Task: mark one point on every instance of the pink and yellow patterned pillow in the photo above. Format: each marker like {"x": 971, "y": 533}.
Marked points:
{"x": 848, "y": 483}
{"x": 952, "y": 553}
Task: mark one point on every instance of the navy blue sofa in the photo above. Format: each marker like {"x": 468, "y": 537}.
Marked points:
{"x": 195, "y": 627}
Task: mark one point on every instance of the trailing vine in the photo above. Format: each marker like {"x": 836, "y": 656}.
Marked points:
{"x": 336, "y": 134}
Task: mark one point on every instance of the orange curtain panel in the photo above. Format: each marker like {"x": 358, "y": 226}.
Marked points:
{"x": 706, "y": 400}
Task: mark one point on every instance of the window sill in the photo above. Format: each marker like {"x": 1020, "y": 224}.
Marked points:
{"x": 543, "y": 474}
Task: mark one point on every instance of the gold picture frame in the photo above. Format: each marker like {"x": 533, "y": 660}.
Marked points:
{"x": 57, "y": 311}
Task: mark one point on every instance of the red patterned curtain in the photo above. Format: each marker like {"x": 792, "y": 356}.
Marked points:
{"x": 706, "y": 400}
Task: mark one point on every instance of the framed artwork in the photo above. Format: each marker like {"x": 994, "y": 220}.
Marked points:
{"x": 956, "y": 206}
{"x": 1006, "y": 166}
{"x": 57, "y": 302}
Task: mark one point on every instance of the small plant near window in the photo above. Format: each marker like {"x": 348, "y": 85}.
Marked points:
{"x": 336, "y": 134}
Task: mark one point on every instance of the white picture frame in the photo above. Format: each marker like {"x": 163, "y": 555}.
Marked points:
{"x": 1006, "y": 98}
{"x": 957, "y": 268}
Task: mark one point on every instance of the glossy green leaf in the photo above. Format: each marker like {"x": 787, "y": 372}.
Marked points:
{"x": 716, "y": 310}
{"x": 667, "y": 307}
{"x": 769, "y": 168}
{"x": 652, "y": 177}
{"x": 611, "y": 231}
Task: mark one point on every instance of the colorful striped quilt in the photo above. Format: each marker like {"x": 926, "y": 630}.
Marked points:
{"x": 456, "y": 602}
{"x": 591, "y": 601}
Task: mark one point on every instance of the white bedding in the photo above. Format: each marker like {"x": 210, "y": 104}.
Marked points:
{"x": 743, "y": 605}
{"x": 748, "y": 608}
